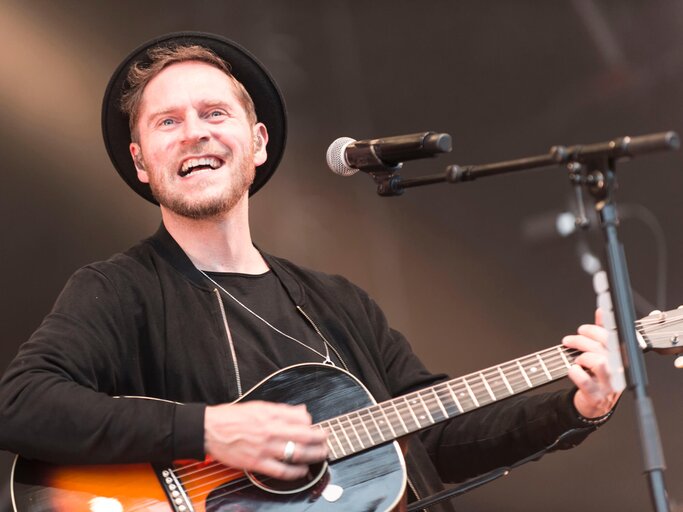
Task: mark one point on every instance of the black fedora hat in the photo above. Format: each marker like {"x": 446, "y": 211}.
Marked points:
{"x": 270, "y": 106}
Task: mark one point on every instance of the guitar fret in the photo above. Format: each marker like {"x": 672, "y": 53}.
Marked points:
{"x": 327, "y": 430}
{"x": 378, "y": 438}
{"x": 523, "y": 372}
{"x": 353, "y": 426}
{"x": 463, "y": 396}
{"x": 388, "y": 423}
{"x": 412, "y": 413}
{"x": 339, "y": 423}
{"x": 469, "y": 390}
{"x": 533, "y": 371}
{"x": 486, "y": 385}
{"x": 455, "y": 398}
{"x": 379, "y": 430}
{"x": 564, "y": 357}
{"x": 545, "y": 368}
{"x": 446, "y": 399}
{"x": 438, "y": 402}
{"x": 365, "y": 427}
{"x": 505, "y": 380}
{"x": 424, "y": 406}
{"x": 336, "y": 438}
{"x": 400, "y": 419}
{"x": 331, "y": 447}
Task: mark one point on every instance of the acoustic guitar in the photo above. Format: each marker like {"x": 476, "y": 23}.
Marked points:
{"x": 365, "y": 469}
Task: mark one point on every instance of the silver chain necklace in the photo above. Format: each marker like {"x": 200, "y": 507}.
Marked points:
{"x": 326, "y": 356}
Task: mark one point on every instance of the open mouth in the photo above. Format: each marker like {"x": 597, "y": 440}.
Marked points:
{"x": 199, "y": 164}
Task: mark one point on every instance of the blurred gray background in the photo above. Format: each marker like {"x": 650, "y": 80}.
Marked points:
{"x": 453, "y": 266}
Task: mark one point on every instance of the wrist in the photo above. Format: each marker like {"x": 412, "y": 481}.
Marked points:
{"x": 590, "y": 415}
{"x": 594, "y": 422}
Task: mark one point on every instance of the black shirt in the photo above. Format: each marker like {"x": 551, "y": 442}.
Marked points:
{"x": 260, "y": 349}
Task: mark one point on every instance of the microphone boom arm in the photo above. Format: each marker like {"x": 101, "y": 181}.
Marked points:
{"x": 391, "y": 184}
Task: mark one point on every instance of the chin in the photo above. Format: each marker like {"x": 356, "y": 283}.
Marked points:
{"x": 203, "y": 208}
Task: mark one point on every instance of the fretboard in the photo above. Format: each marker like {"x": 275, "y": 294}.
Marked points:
{"x": 386, "y": 421}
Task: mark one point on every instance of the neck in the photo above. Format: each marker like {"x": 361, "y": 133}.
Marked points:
{"x": 219, "y": 244}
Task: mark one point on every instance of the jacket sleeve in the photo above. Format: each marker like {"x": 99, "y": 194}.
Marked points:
{"x": 493, "y": 436}
{"x": 56, "y": 397}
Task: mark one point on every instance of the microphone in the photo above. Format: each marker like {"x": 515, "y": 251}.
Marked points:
{"x": 347, "y": 156}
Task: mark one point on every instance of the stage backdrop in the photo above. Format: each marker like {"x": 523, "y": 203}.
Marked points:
{"x": 473, "y": 274}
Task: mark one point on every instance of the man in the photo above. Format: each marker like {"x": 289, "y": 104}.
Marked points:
{"x": 197, "y": 315}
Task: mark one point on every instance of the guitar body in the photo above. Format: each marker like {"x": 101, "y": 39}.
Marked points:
{"x": 369, "y": 480}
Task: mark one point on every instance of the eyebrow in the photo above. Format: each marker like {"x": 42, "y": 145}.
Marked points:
{"x": 203, "y": 104}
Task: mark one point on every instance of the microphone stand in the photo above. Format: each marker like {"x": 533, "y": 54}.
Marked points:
{"x": 592, "y": 166}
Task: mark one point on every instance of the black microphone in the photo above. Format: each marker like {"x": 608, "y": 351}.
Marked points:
{"x": 347, "y": 156}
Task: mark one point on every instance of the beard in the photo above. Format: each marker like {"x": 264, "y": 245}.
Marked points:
{"x": 203, "y": 207}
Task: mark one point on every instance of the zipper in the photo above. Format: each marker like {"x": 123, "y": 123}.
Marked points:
{"x": 230, "y": 343}
{"x": 412, "y": 488}
{"x": 327, "y": 343}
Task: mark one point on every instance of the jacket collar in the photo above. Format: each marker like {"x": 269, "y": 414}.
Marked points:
{"x": 166, "y": 246}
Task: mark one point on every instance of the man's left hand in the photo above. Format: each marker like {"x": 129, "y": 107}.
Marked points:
{"x": 591, "y": 373}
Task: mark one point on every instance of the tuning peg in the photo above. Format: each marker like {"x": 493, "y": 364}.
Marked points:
{"x": 678, "y": 363}
{"x": 657, "y": 314}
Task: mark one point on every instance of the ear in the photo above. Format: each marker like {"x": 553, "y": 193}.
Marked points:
{"x": 136, "y": 154}
{"x": 260, "y": 141}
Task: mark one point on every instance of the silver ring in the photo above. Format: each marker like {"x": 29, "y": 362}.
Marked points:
{"x": 289, "y": 452}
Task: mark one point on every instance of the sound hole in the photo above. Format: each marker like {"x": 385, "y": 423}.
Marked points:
{"x": 315, "y": 473}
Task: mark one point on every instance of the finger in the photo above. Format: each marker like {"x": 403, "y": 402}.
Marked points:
{"x": 300, "y": 434}
{"x": 597, "y": 365}
{"x": 595, "y": 332}
{"x": 284, "y": 412}
{"x": 591, "y": 399}
{"x": 584, "y": 344}
{"x": 583, "y": 381}
{"x": 281, "y": 470}
{"x": 301, "y": 453}
{"x": 599, "y": 315}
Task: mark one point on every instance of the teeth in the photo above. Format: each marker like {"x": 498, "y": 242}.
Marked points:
{"x": 190, "y": 163}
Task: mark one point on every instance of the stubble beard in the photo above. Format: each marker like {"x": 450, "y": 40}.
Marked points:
{"x": 242, "y": 177}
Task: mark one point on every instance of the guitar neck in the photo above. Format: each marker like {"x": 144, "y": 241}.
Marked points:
{"x": 387, "y": 421}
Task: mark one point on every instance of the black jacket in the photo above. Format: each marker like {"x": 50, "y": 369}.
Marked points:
{"x": 147, "y": 323}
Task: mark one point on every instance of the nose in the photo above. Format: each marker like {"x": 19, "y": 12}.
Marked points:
{"x": 195, "y": 129}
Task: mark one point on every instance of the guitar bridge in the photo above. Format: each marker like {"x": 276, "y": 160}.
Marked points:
{"x": 175, "y": 492}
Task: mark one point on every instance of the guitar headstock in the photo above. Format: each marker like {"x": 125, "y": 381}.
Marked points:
{"x": 662, "y": 331}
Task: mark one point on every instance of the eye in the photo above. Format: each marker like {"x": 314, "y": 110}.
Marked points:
{"x": 167, "y": 122}
{"x": 216, "y": 113}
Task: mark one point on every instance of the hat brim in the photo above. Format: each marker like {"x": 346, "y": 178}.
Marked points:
{"x": 268, "y": 101}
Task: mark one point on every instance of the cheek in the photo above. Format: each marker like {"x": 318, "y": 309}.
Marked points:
{"x": 158, "y": 150}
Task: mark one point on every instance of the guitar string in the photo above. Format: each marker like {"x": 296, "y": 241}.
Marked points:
{"x": 643, "y": 322}
{"x": 477, "y": 387}
{"x": 431, "y": 400}
{"x": 499, "y": 391}
{"x": 230, "y": 490}
{"x": 229, "y": 487}
{"x": 677, "y": 314}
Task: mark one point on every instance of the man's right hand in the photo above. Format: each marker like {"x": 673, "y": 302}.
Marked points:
{"x": 253, "y": 436}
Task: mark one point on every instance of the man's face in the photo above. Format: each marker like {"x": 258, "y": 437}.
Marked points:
{"x": 197, "y": 148}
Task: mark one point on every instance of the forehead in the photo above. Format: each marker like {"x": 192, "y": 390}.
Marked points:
{"x": 187, "y": 83}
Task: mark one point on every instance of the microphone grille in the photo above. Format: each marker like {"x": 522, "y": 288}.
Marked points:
{"x": 335, "y": 157}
